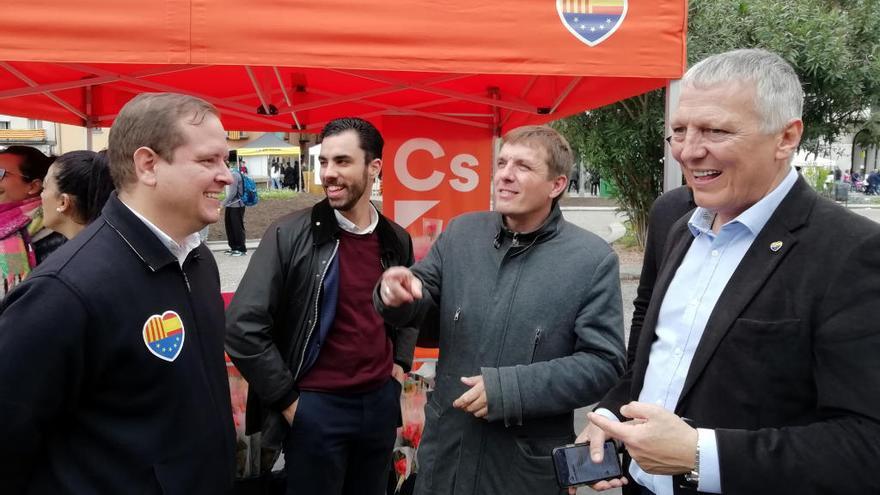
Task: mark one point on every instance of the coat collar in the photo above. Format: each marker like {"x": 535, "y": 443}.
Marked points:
{"x": 137, "y": 235}
{"x": 325, "y": 228}
{"x": 548, "y": 229}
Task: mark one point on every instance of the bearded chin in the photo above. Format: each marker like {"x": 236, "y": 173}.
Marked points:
{"x": 345, "y": 205}
{"x": 357, "y": 192}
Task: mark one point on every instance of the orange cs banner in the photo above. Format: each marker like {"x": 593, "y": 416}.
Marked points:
{"x": 432, "y": 172}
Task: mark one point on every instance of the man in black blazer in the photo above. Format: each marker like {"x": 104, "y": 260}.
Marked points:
{"x": 756, "y": 370}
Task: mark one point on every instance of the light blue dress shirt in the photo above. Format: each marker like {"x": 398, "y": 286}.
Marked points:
{"x": 692, "y": 295}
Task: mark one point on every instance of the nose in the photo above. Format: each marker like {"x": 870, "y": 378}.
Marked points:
{"x": 503, "y": 172}
{"x": 225, "y": 176}
{"x": 328, "y": 171}
{"x": 692, "y": 148}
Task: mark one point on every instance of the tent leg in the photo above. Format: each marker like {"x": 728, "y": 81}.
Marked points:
{"x": 671, "y": 168}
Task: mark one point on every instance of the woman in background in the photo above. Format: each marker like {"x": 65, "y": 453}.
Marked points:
{"x": 24, "y": 240}
{"x": 74, "y": 192}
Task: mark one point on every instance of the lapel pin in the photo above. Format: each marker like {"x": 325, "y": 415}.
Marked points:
{"x": 775, "y": 246}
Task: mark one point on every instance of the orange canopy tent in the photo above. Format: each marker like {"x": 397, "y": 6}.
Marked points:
{"x": 287, "y": 65}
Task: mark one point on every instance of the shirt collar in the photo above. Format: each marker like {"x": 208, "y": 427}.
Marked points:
{"x": 753, "y": 218}
{"x": 349, "y": 226}
{"x": 179, "y": 251}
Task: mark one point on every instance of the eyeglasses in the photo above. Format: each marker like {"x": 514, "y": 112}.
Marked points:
{"x": 711, "y": 136}
{"x": 4, "y": 173}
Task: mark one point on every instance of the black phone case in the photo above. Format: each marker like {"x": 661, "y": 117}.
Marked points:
{"x": 561, "y": 467}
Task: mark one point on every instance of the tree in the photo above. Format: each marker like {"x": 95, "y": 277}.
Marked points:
{"x": 620, "y": 143}
{"x": 868, "y": 136}
{"x": 834, "y": 46}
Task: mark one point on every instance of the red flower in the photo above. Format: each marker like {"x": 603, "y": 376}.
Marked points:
{"x": 400, "y": 466}
{"x": 412, "y": 433}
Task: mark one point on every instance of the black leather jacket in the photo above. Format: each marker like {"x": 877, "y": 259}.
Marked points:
{"x": 278, "y": 307}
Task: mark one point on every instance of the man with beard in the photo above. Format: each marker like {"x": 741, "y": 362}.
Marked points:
{"x": 324, "y": 370}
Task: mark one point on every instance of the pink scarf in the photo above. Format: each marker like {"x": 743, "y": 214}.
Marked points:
{"x": 18, "y": 222}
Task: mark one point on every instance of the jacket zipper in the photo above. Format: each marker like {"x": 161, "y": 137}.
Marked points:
{"x": 302, "y": 357}
{"x": 185, "y": 280}
{"x": 535, "y": 346}
{"x": 454, "y": 336}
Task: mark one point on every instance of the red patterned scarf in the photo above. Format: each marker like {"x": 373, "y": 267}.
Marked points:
{"x": 18, "y": 222}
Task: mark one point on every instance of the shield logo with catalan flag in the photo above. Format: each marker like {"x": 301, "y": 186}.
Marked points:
{"x": 592, "y": 21}
{"x": 164, "y": 335}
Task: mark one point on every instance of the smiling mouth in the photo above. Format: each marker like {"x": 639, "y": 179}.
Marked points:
{"x": 705, "y": 175}
{"x": 212, "y": 195}
{"x": 334, "y": 189}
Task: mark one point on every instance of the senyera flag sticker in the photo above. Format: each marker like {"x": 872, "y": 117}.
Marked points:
{"x": 592, "y": 21}
{"x": 164, "y": 335}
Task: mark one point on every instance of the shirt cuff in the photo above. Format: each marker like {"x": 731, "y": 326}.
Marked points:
{"x": 608, "y": 414}
{"x": 710, "y": 472}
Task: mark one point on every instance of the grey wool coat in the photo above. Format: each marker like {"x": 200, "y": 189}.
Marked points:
{"x": 539, "y": 317}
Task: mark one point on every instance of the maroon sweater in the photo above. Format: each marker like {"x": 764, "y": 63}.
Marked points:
{"x": 357, "y": 355}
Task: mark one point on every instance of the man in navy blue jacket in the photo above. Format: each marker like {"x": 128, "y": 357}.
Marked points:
{"x": 112, "y": 376}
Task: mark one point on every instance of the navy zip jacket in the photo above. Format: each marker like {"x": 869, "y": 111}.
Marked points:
{"x": 112, "y": 376}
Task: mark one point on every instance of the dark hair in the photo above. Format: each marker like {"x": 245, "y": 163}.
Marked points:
{"x": 370, "y": 139}
{"x": 34, "y": 164}
{"x": 85, "y": 175}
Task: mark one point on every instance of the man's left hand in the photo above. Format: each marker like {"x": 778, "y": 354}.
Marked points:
{"x": 657, "y": 439}
{"x": 474, "y": 400}
{"x": 398, "y": 374}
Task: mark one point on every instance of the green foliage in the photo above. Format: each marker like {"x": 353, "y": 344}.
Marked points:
{"x": 833, "y": 44}
{"x": 869, "y": 134}
{"x": 816, "y": 177}
{"x": 629, "y": 239}
{"x": 276, "y": 193}
{"x": 620, "y": 143}
{"x": 269, "y": 193}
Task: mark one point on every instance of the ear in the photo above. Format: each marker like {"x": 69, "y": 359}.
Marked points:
{"x": 789, "y": 139}
{"x": 559, "y": 184}
{"x": 375, "y": 167}
{"x": 145, "y": 162}
{"x": 64, "y": 203}
{"x": 35, "y": 187}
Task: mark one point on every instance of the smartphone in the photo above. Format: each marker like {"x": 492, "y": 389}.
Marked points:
{"x": 574, "y": 466}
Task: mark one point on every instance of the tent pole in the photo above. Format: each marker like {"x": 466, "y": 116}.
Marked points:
{"x": 257, "y": 88}
{"x": 88, "y": 120}
{"x": 671, "y": 168}
{"x": 287, "y": 98}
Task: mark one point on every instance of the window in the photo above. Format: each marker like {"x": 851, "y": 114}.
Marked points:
{"x": 4, "y": 124}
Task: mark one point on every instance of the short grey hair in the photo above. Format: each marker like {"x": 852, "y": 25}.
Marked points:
{"x": 779, "y": 97}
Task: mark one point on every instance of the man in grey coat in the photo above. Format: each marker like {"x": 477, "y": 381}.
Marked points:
{"x": 530, "y": 328}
